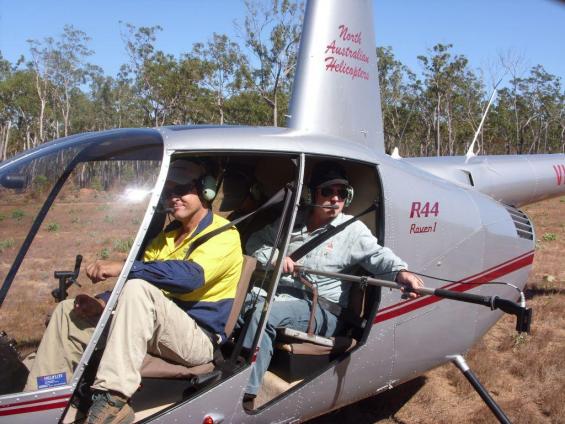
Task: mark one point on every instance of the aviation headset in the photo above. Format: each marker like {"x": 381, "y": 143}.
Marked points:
{"x": 206, "y": 184}
{"x": 207, "y": 187}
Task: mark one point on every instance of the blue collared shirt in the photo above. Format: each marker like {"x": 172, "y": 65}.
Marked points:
{"x": 355, "y": 245}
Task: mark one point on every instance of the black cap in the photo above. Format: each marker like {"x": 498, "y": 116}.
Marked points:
{"x": 326, "y": 174}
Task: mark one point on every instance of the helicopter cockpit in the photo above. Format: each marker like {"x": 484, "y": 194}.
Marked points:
{"x": 97, "y": 196}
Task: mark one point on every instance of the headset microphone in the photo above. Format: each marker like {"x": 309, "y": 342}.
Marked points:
{"x": 323, "y": 206}
{"x": 161, "y": 208}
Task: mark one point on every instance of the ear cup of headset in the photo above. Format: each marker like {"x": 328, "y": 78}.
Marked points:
{"x": 349, "y": 198}
{"x": 208, "y": 188}
{"x": 255, "y": 191}
{"x": 308, "y": 195}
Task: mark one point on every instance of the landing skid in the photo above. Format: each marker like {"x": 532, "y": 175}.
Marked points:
{"x": 460, "y": 363}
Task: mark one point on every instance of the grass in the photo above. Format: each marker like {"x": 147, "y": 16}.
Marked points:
{"x": 6, "y": 244}
{"x": 104, "y": 253}
{"x": 52, "y": 227}
{"x": 18, "y": 214}
{"x": 123, "y": 246}
{"x": 549, "y": 237}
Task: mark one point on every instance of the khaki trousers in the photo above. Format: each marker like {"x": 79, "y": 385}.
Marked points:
{"x": 144, "y": 321}
{"x": 62, "y": 345}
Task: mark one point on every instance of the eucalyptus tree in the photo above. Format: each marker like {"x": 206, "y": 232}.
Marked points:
{"x": 61, "y": 68}
{"x": 225, "y": 67}
{"x": 271, "y": 32}
{"x": 399, "y": 99}
{"x": 453, "y": 92}
{"x": 531, "y": 113}
{"x": 19, "y": 110}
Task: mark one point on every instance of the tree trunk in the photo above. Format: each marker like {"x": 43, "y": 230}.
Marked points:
{"x": 438, "y": 135}
{"x": 275, "y": 112}
{"x": 5, "y": 140}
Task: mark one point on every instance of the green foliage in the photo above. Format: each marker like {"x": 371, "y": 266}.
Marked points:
{"x": 96, "y": 184}
{"x": 6, "y": 244}
{"x": 108, "y": 219}
{"x": 40, "y": 183}
{"x": 104, "y": 253}
{"x": 53, "y": 227}
{"x": 18, "y": 214}
{"x": 2, "y": 217}
{"x": 549, "y": 237}
{"x": 123, "y": 246}
{"x": 247, "y": 80}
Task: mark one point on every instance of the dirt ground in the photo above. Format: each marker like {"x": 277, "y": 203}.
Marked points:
{"x": 106, "y": 226}
{"x": 524, "y": 374}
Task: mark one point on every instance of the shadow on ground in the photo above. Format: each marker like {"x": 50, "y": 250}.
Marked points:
{"x": 531, "y": 292}
{"x": 375, "y": 408}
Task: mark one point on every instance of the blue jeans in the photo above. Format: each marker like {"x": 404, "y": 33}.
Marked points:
{"x": 288, "y": 313}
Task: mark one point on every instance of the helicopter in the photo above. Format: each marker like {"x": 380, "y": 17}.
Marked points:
{"x": 455, "y": 220}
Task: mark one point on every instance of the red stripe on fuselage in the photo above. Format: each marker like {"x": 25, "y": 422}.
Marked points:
{"x": 34, "y": 408}
{"x": 461, "y": 286}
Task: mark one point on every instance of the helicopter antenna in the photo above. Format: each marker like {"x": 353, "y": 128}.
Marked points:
{"x": 471, "y": 152}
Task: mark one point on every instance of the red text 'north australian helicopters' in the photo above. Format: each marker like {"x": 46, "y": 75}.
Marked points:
{"x": 454, "y": 219}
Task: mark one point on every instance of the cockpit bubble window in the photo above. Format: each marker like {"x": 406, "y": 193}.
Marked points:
{"x": 76, "y": 197}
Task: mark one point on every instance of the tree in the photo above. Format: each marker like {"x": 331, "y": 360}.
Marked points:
{"x": 60, "y": 68}
{"x": 398, "y": 88}
{"x": 453, "y": 92}
{"x": 271, "y": 31}
{"x": 226, "y": 67}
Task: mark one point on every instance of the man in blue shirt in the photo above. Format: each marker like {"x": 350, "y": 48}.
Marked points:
{"x": 175, "y": 304}
{"x": 355, "y": 245}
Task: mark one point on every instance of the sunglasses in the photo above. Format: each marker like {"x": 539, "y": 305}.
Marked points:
{"x": 342, "y": 193}
{"x": 177, "y": 190}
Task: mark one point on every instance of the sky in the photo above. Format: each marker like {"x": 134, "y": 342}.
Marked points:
{"x": 482, "y": 30}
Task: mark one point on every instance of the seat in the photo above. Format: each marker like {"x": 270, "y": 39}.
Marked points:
{"x": 297, "y": 354}
{"x": 157, "y": 367}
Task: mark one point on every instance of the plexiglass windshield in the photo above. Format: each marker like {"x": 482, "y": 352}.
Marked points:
{"x": 86, "y": 198}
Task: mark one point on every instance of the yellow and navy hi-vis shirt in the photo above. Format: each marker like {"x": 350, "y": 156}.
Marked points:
{"x": 204, "y": 285}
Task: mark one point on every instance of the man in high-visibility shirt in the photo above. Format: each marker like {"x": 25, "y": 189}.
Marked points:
{"x": 173, "y": 305}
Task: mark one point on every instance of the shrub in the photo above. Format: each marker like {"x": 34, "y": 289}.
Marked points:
{"x": 549, "y": 237}
{"x": 6, "y": 244}
{"x": 53, "y": 227}
{"x": 40, "y": 183}
{"x": 105, "y": 253}
{"x": 18, "y": 214}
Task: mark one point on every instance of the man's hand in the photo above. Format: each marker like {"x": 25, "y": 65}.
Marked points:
{"x": 411, "y": 281}
{"x": 288, "y": 265}
{"x": 101, "y": 270}
{"x": 88, "y": 307}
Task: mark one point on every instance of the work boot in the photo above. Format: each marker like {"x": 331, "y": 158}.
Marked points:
{"x": 109, "y": 408}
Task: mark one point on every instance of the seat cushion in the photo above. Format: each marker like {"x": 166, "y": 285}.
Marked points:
{"x": 341, "y": 344}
